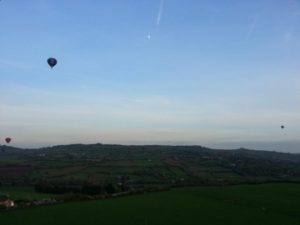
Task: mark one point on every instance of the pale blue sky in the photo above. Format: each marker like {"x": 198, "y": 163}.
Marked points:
{"x": 214, "y": 73}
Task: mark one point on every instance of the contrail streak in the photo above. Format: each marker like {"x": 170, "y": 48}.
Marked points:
{"x": 160, "y": 12}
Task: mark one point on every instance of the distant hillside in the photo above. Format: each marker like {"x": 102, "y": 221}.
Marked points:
{"x": 140, "y": 166}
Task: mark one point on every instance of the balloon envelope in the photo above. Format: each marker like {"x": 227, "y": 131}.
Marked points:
{"x": 52, "y": 62}
{"x": 8, "y": 139}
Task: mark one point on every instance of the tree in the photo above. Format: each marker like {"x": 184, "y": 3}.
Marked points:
{"x": 110, "y": 188}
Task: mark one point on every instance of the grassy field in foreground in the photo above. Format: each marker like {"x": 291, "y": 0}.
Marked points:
{"x": 246, "y": 204}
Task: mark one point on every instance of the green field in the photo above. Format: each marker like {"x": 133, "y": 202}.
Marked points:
{"x": 24, "y": 193}
{"x": 247, "y": 204}
{"x": 99, "y": 164}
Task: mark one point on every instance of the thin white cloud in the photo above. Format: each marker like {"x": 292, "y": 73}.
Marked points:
{"x": 15, "y": 64}
{"x": 253, "y": 25}
{"x": 160, "y": 12}
{"x": 84, "y": 117}
{"x": 288, "y": 38}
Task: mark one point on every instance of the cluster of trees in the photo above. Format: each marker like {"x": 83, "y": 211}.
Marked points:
{"x": 91, "y": 189}
{"x": 86, "y": 189}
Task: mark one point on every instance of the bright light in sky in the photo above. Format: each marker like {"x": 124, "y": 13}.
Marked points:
{"x": 213, "y": 73}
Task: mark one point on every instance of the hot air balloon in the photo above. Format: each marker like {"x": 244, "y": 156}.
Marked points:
{"x": 52, "y": 62}
{"x": 7, "y": 140}
{"x": 282, "y": 127}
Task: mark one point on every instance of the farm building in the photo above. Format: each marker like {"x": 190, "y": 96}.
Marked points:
{"x": 6, "y": 202}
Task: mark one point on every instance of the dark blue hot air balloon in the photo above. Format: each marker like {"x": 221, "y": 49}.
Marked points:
{"x": 7, "y": 140}
{"x": 52, "y": 62}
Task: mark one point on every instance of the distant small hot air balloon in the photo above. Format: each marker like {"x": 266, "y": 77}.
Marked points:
{"x": 282, "y": 127}
{"x": 7, "y": 140}
{"x": 52, "y": 62}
